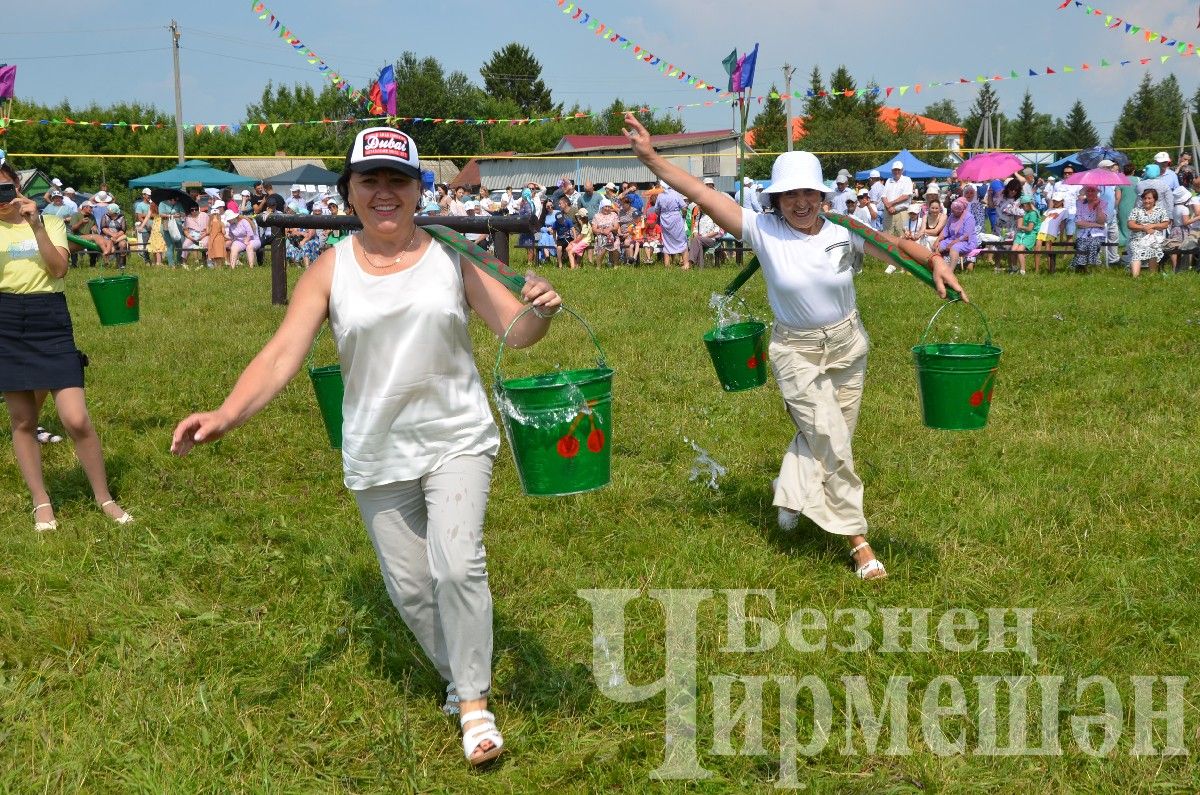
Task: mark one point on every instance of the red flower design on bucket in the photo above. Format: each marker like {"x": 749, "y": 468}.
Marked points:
{"x": 977, "y": 397}
{"x": 130, "y": 301}
{"x": 568, "y": 446}
{"x": 595, "y": 440}
{"x": 752, "y": 362}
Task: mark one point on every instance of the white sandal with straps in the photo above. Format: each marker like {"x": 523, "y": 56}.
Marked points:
{"x": 124, "y": 518}
{"x": 868, "y": 569}
{"x": 42, "y": 527}
{"x": 451, "y": 708}
{"x": 479, "y": 734}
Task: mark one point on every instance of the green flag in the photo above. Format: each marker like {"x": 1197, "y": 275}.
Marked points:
{"x": 730, "y": 63}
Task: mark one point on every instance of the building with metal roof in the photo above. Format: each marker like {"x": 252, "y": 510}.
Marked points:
{"x": 607, "y": 158}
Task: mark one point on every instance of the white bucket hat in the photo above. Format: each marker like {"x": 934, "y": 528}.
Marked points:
{"x": 796, "y": 171}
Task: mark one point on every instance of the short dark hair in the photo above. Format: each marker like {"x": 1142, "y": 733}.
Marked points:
{"x": 1151, "y": 190}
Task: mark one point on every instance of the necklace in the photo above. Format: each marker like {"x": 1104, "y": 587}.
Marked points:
{"x": 396, "y": 259}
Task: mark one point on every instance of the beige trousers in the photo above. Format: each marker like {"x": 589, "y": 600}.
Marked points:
{"x": 821, "y": 373}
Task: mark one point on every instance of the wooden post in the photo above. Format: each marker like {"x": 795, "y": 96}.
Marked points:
{"x": 279, "y": 288}
{"x": 500, "y": 245}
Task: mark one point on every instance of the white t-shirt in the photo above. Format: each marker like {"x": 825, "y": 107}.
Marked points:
{"x": 810, "y": 278}
{"x": 894, "y": 188}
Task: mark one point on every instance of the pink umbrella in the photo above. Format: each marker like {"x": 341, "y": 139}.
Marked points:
{"x": 988, "y": 166}
{"x": 1097, "y": 178}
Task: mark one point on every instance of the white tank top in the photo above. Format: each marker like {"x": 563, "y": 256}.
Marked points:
{"x": 414, "y": 398}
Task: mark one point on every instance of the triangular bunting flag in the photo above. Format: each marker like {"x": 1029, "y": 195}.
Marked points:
{"x": 1050, "y": 71}
{"x": 887, "y": 91}
{"x": 199, "y": 128}
{"x": 917, "y": 88}
{"x": 262, "y": 127}
{"x": 903, "y": 89}
{"x": 1068, "y": 69}
{"x": 1032, "y": 73}
{"x": 1163, "y": 59}
{"x": 1104, "y": 63}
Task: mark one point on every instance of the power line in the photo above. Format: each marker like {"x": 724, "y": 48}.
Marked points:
{"x": 88, "y": 31}
{"x": 12, "y": 58}
{"x": 263, "y": 63}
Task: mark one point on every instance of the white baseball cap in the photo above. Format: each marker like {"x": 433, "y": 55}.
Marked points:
{"x": 1105, "y": 163}
{"x": 384, "y": 147}
{"x": 296, "y": 188}
{"x": 898, "y": 165}
{"x": 68, "y": 191}
{"x": 874, "y": 174}
{"x": 56, "y": 182}
{"x": 245, "y": 193}
{"x": 56, "y": 194}
{"x": 747, "y": 181}
{"x": 796, "y": 171}
{"x": 145, "y": 191}
{"x": 228, "y": 216}
{"x": 1162, "y": 157}
{"x": 842, "y": 179}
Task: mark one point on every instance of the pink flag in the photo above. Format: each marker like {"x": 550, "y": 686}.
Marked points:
{"x": 8, "y": 81}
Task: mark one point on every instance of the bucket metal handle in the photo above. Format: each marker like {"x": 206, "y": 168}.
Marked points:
{"x": 312, "y": 352}
{"x": 983, "y": 317}
{"x": 499, "y": 379}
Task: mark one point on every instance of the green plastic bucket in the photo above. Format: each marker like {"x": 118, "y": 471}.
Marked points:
{"x": 330, "y": 388}
{"x": 559, "y": 424}
{"x": 956, "y": 379}
{"x": 116, "y": 299}
{"x": 738, "y": 353}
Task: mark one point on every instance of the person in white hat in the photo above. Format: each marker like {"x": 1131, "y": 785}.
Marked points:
{"x": 819, "y": 346}
{"x": 843, "y": 201}
{"x": 897, "y": 197}
{"x": 142, "y": 220}
{"x": 749, "y": 196}
{"x": 418, "y": 437}
{"x": 69, "y": 199}
{"x": 1168, "y": 174}
{"x": 875, "y": 191}
{"x": 295, "y": 203}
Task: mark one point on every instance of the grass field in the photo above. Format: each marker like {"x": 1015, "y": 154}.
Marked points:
{"x": 238, "y": 637}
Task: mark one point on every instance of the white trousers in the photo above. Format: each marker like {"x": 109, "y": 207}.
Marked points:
{"x": 821, "y": 373}
{"x": 428, "y": 537}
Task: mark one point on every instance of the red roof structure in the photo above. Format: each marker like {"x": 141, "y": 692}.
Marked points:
{"x": 569, "y": 142}
{"x": 889, "y": 116}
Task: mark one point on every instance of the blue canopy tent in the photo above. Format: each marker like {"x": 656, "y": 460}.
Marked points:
{"x": 192, "y": 171}
{"x": 914, "y": 168}
{"x": 1057, "y": 165}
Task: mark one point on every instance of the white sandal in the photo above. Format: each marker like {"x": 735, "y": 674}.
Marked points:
{"x": 450, "y": 708}
{"x": 479, "y": 734}
{"x": 868, "y": 569}
{"x": 42, "y": 527}
{"x": 124, "y": 518}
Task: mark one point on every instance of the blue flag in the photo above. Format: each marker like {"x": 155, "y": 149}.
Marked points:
{"x": 743, "y": 75}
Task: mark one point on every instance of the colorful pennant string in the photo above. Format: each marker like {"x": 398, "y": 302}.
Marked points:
{"x": 1112, "y": 22}
{"x": 603, "y": 31}
{"x": 285, "y": 33}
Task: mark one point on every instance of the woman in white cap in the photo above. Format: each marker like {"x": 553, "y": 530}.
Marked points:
{"x": 418, "y": 438}
{"x": 818, "y": 346}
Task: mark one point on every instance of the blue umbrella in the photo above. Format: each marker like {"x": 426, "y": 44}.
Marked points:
{"x": 1092, "y": 156}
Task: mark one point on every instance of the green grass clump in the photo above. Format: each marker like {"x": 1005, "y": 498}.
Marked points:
{"x": 238, "y": 636}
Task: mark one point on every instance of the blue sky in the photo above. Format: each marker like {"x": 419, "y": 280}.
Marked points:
{"x": 120, "y": 50}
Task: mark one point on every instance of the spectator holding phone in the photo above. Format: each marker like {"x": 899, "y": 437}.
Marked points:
{"x": 37, "y": 345}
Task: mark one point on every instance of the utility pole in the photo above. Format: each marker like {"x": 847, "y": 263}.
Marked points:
{"x": 178, "y": 92}
{"x": 788, "y": 71}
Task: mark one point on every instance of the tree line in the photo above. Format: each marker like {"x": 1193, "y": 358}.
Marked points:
{"x": 511, "y": 88}
{"x": 1151, "y": 117}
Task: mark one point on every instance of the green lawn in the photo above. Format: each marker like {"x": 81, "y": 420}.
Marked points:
{"x": 238, "y": 637}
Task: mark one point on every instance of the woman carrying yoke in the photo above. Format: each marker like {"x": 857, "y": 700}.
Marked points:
{"x": 818, "y": 345}
{"x": 418, "y": 439}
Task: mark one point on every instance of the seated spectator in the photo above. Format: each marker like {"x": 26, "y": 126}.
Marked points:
{"x": 83, "y": 224}
{"x": 604, "y": 231}
{"x": 934, "y": 219}
{"x": 1181, "y": 197}
{"x": 959, "y": 236}
{"x": 582, "y": 241}
{"x": 114, "y": 229}
{"x": 1090, "y": 223}
{"x": 57, "y": 206}
{"x": 547, "y": 247}
{"x": 864, "y": 209}
{"x": 243, "y": 236}
{"x": 195, "y": 236}
{"x": 706, "y": 235}
{"x": 652, "y": 236}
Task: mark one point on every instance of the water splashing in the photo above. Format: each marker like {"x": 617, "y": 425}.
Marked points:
{"x": 705, "y": 466}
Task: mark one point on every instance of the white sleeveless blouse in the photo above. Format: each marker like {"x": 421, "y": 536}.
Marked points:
{"x": 414, "y": 398}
